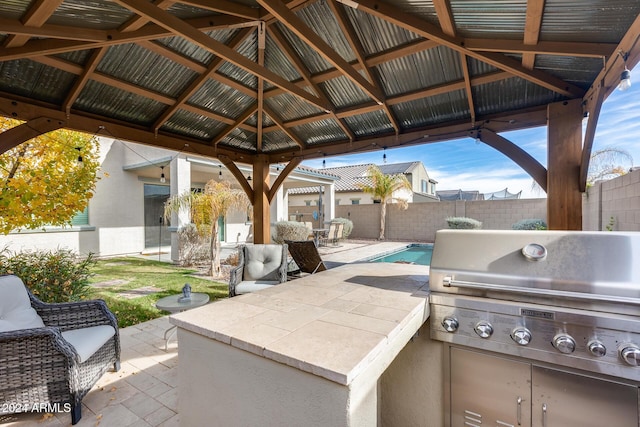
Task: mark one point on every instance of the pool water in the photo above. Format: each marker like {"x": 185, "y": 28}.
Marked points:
{"x": 414, "y": 254}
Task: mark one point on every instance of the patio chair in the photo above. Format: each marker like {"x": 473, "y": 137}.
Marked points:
{"x": 306, "y": 256}
{"x": 259, "y": 267}
{"x": 52, "y": 354}
{"x": 333, "y": 235}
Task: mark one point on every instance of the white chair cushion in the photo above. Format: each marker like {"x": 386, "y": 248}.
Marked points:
{"x": 262, "y": 262}
{"x": 15, "y": 308}
{"x": 254, "y": 285}
{"x": 87, "y": 341}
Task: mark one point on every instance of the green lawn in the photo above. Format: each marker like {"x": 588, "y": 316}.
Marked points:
{"x": 128, "y": 274}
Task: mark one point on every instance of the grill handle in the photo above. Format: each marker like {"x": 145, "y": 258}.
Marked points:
{"x": 448, "y": 281}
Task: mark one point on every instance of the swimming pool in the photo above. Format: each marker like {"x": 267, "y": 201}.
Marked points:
{"x": 412, "y": 254}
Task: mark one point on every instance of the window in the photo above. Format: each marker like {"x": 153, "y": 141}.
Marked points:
{"x": 337, "y": 202}
{"x": 377, "y": 201}
{"x": 355, "y": 201}
{"x": 307, "y": 202}
{"x": 81, "y": 218}
{"x": 423, "y": 186}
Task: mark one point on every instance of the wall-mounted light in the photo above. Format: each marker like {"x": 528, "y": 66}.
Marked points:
{"x": 162, "y": 178}
{"x": 625, "y": 76}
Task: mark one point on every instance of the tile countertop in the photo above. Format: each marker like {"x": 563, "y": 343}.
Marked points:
{"x": 333, "y": 324}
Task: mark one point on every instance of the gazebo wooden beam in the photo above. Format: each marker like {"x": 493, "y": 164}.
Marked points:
{"x": 28, "y": 130}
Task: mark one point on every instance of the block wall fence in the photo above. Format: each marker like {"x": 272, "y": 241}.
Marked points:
{"x": 614, "y": 204}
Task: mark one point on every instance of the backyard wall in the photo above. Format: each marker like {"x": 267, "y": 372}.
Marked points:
{"x": 421, "y": 220}
{"x": 614, "y": 203}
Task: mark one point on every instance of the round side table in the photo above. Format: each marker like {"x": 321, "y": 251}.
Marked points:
{"x": 175, "y": 304}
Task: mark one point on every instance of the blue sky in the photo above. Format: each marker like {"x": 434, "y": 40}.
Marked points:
{"x": 465, "y": 164}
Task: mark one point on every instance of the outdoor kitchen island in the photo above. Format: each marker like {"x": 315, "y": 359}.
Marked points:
{"x": 344, "y": 347}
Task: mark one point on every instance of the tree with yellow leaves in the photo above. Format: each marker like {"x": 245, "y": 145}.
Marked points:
{"x": 42, "y": 181}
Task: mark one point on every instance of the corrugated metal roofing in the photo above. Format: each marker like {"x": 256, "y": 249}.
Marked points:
{"x": 100, "y": 98}
{"x": 193, "y": 125}
{"x": 420, "y": 83}
{"x": 222, "y": 99}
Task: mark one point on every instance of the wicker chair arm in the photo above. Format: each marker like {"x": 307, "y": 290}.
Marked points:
{"x": 40, "y": 344}
{"x": 74, "y": 315}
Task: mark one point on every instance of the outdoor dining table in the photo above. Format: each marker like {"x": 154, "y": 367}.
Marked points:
{"x": 317, "y": 233}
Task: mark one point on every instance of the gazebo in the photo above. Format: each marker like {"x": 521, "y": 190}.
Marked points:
{"x": 261, "y": 82}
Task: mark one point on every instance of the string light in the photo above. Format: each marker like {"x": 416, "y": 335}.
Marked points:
{"x": 249, "y": 177}
{"x": 384, "y": 154}
{"x": 162, "y": 178}
{"x": 79, "y": 159}
{"x": 625, "y": 76}
{"x": 220, "y": 173}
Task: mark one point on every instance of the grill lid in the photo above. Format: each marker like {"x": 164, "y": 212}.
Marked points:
{"x": 520, "y": 265}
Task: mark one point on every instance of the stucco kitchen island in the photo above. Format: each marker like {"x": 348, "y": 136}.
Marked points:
{"x": 336, "y": 348}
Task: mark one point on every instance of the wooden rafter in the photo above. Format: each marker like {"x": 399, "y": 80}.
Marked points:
{"x": 30, "y": 129}
{"x": 101, "y": 38}
{"x": 244, "y": 116}
{"x": 522, "y": 119}
{"x": 445, "y": 17}
{"x": 298, "y": 27}
{"x": 80, "y": 83}
{"x": 425, "y": 29}
{"x": 196, "y": 84}
{"x": 533, "y": 22}
{"x": 36, "y": 16}
{"x": 594, "y": 105}
{"x": 358, "y": 50}
{"x": 179, "y": 27}
{"x": 282, "y": 127}
{"x": 225, "y": 7}
{"x": 136, "y": 22}
{"x": 578, "y": 49}
{"x": 262, "y": 41}
{"x": 297, "y": 63}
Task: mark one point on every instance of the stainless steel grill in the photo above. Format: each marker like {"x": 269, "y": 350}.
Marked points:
{"x": 565, "y": 301}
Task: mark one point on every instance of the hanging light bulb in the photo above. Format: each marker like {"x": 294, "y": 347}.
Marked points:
{"x": 249, "y": 177}
{"x": 625, "y": 76}
{"x": 220, "y": 173}
{"x": 625, "y": 80}
{"x": 384, "y": 155}
{"x": 162, "y": 178}
{"x": 79, "y": 159}
{"x": 324, "y": 163}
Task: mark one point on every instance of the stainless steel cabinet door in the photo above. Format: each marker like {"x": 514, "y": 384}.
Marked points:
{"x": 489, "y": 390}
{"x": 563, "y": 399}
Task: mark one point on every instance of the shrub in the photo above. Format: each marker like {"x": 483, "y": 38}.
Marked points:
{"x": 530, "y": 224}
{"x": 347, "y": 228}
{"x": 459, "y": 222}
{"x": 290, "y": 230}
{"x": 52, "y": 276}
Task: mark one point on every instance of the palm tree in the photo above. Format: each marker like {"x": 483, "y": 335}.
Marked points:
{"x": 382, "y": 187}
{"x": 205, "y": 207}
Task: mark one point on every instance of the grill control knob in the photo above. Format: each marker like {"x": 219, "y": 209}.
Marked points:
{"x": 596, "y": 348}
{"x": 483, "y": 329}
{"x": 564, "y": 343}
{"x": 450, "y": 324}
{"x": 521, "y": 335}
{"x": 631, "y": 354}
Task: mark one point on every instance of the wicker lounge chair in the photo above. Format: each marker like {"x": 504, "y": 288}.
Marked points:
{"x": 52, "y": 354}
{"x": 259, "y": 267}
{"x": 306, "y": 256}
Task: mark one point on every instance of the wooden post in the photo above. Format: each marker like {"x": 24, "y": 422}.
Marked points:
{"x": 261, "y": 209}
{"x": 564, "y": 154}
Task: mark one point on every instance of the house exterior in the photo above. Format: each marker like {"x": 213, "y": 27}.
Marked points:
{"x": 125, "y": 215}
{"x": 347, "y": 191}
